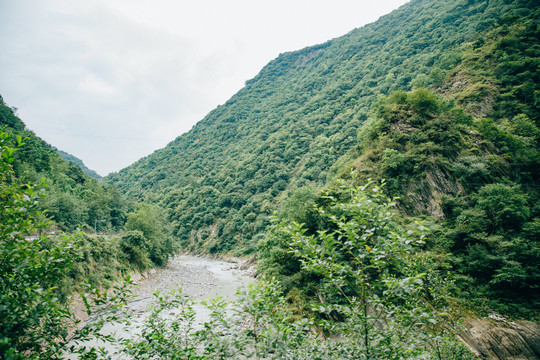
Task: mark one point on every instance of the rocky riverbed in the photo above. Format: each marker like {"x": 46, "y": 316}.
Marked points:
{"x": 199, "y": 277}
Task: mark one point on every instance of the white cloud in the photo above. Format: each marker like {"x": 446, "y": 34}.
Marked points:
{"x": 93, "y": 86}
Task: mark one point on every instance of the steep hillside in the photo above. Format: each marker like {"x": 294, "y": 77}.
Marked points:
{"x": 297, "y": 122}
{"x": 73, "y": 198}
{"x": 464, "y": 161}
{"x": 75, "y": 160}
{"x": 473, "y": 183}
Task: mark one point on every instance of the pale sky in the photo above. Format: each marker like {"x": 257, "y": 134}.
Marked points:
{"x": 111, "y": 81}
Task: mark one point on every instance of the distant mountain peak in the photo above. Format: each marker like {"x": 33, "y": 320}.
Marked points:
{"x": 76, "y": 161}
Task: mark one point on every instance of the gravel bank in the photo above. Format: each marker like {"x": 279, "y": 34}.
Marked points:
{"x": 200, "y": 278}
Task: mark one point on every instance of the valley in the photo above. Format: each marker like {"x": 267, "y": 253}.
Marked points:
{"x": 385, "y": 184}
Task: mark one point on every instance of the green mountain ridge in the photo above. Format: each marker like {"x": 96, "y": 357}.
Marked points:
{"x": 296, "y": 122}
{"x": 72, "y": 199}
{"x": 75, "y": 160}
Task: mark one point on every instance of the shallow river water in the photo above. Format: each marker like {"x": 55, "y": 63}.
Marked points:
{"x": 200, "y": 278}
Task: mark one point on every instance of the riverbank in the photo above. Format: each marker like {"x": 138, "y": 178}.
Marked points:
{"x": 200, "y": 278}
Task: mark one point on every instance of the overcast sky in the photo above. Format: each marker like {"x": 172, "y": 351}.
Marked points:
{"x": 111, "y": 81}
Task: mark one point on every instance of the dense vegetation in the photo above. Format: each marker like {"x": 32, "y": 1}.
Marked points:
{"x": 40, "y": 192}
{"x": 401, "y": 163}
{"x": 383, "y": 313}
{"x": 477, "y": 174}
{"x": 438, "y": 98}
{"x": 40, "y": 274}
{"x": 376, "y": 299}
{"x": 34, "y": 272}
{"x": 488, "y": 234}
{"x": 74, "y": 200}
{"x": 75, "y": 160}
{"x": 293, "y": 124}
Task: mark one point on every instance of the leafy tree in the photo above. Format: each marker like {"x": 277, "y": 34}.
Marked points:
{"x": 148, "y": 232}
{"x": 136, "y": 249}
{"x": 383, "y": 313}
{"x": 368, "y": 265}
{"x": 31, "y": 318}
{"x": 506, "y": 207}
{"x": 494, "y": 249}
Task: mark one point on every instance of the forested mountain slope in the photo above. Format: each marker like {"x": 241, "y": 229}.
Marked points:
{"x": 297, "y": 122}
{"x": 72, "y": 198}
{"x": 75, "y": 160}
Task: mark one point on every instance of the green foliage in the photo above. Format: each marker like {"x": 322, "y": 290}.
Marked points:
{"x": 276, "y": 260}
{"x": 462, "y": 147}
{"x": 134, "y": 246}
{"x": 505, "y": 206}
{"x": 257, "y": 326}
{"x": 299, "y": 206}
{"x": 368, "y": 263}
{"x": 448, "y": 151}
{"x": 31, "y": 317}
{"x": 495, "y": 249}
{"x": 297, "y": 121}
{"x": 101, "y": 261}
{"x": 383, "y": 312}
{"x": 34, "y": 322}
{"x": 413, "y": 140}
{"x": 483, "y": 171}
{"x": 148, "y": 235}
{"x": 74, "y": 200}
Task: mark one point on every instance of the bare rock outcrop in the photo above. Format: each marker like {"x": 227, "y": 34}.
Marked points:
{"x": 495, "y": 338}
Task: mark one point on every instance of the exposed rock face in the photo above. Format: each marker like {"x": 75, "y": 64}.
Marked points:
{"x": 497, "y": 338}
{"x": 426, "y": 194}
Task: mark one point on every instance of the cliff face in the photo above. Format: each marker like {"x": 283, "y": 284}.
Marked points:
{"x": 496, "y": 338}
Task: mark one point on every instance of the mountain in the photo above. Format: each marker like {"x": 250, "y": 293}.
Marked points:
{"x": 75, "y": 160}
{"x": 297, "y": 122}
{"x": 72, "y": 198}
{"x": 400, "y": 162}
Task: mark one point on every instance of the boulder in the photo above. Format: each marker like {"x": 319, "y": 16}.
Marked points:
{"x": 496, "y": 338}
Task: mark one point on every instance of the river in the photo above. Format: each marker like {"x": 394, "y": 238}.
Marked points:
{"x": 201, "y": 278}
